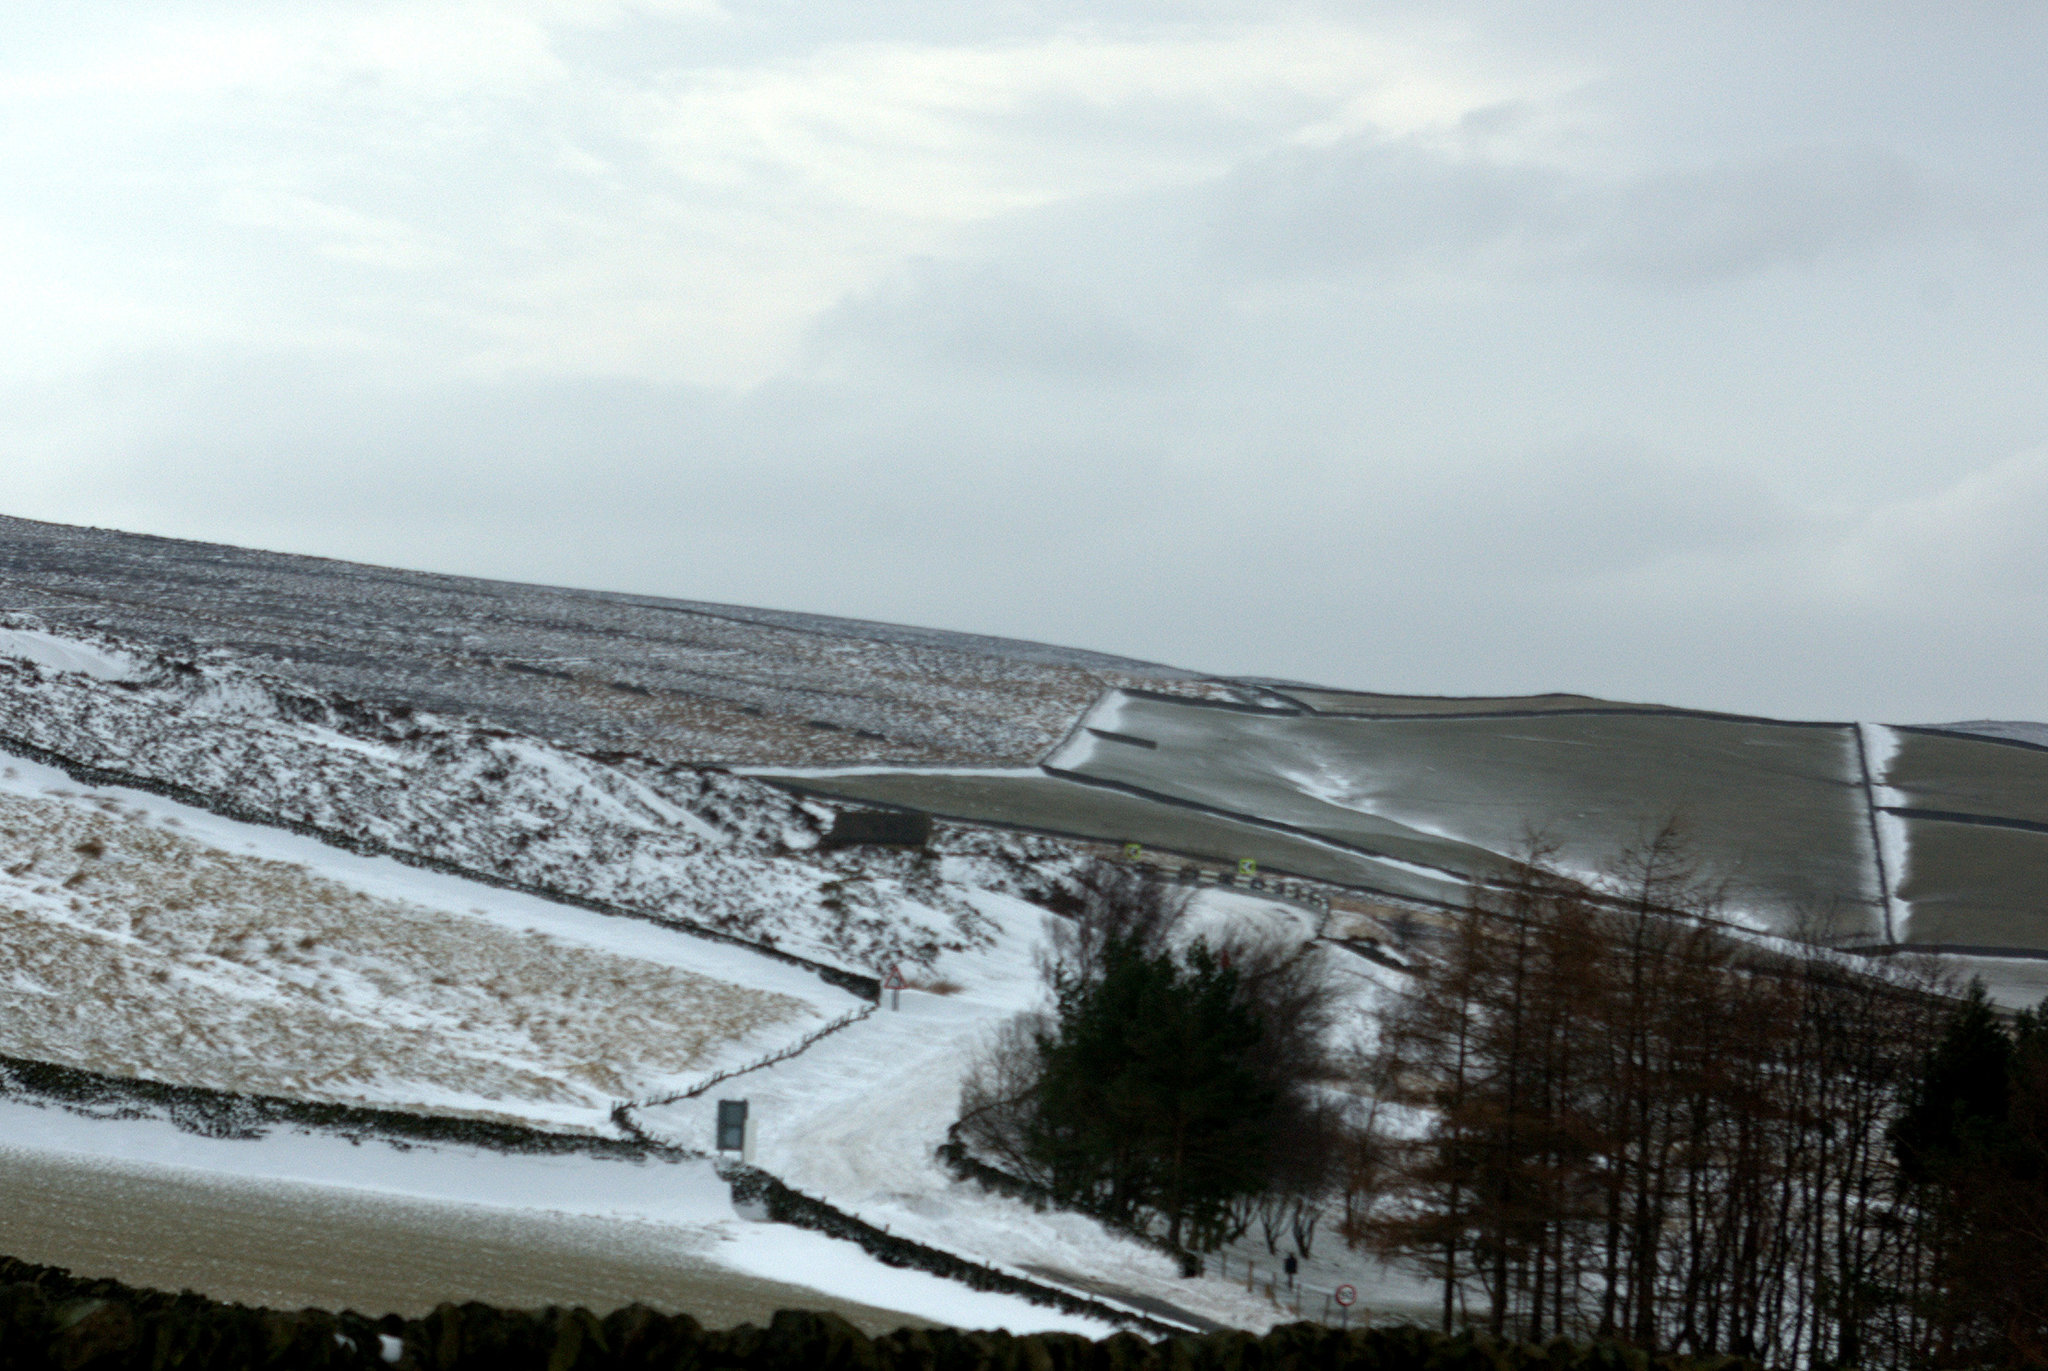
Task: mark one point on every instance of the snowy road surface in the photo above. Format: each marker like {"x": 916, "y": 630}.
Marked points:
{"x": 287, "y": 1246}
{"x": 296, "y": 1219}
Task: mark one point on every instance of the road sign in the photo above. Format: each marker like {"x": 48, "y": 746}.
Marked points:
{"x": 732, "y": 1125}
{"x": 1133, "y": 851}
{"x": 1347, "y": 1295}
{"x": 1247, "y": 867}
{"x": 894, "y": 980}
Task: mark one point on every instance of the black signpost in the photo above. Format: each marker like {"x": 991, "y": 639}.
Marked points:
{"x": 732, "y": 1125}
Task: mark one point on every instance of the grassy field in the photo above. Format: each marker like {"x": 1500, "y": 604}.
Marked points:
{"x": 1058, "y": 805}
{"x": 1975, "y": 885}
{"x": 1976, "y": 776}
{"x": 1412, "y": 805}
{"x": 131, "y": 948}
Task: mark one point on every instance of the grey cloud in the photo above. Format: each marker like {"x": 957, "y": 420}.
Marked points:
{"x": 1599, "y": 511}
{"x": 1364, "y": 202}
{"x": 981, "y": 317}
{"x": 1743, "y": 219}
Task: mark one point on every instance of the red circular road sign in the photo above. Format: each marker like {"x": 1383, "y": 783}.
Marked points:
{"x": 1346, "y": 1295}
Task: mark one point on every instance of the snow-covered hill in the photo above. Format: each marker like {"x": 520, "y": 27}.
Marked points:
{"x": 702, "y": 846}
{"x": 141, "y": 938}
{"x": 151, "y": 938}
{"x": 341, "y": 834}
{"x": 671, "y": 680}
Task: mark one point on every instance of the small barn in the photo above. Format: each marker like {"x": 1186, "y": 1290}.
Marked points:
{"x": 878, "y": 828}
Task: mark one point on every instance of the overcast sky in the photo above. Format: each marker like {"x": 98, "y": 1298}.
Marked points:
{"x": 1693, "y": 353}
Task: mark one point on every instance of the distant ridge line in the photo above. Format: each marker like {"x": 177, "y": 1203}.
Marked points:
{"x": 790, "y": 620}
{"x": 1595, "y": 710}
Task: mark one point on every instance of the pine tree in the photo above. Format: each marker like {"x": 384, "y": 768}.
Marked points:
{"x": 1151, "y": 1094}
{"x": 1974, "y": 1145}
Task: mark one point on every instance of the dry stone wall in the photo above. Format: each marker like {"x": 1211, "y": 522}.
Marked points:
{"x": 51, "y": 1320}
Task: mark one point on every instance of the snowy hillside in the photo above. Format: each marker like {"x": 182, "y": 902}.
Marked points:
{"x": 717, "y": 850}
{"x": 154, "y": 939}
{"x": 676, "y": 681}
{"x": 145, "y": 939}
{"x": 294, "y": 828}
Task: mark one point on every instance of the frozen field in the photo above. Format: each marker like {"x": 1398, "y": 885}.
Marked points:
{"x": 1779, "y": 808}
{"x": 143, "y": 938}
{"x": 1972, "y": 817}
{"x": 1415, "y": 805}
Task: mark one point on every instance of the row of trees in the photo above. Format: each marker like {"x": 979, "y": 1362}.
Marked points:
{"x": 1591, "y": 1110}
{"x": 1973, "y": 1156}
{"x": 1624, "y": 1120}
{"x": 1630, "y": 1123}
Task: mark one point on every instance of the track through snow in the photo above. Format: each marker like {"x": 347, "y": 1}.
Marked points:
{"x": 857, "y": 1117}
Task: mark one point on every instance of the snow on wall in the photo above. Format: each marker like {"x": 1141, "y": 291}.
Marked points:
{"x": 65, "y": 654}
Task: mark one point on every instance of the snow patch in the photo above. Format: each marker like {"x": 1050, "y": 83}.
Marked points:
{"x": 1894, "y": 844}
{"x": 54, "y": 653}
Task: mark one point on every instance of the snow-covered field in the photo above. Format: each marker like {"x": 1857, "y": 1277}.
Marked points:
{"x": 147, "y": 938}
{"x": 151, "y": 938}
{"x": 677, "y": 1212}
{"x": 139, "y": 937}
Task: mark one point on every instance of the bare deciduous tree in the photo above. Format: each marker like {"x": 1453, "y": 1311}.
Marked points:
{"x": 1642, "y": 1125}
